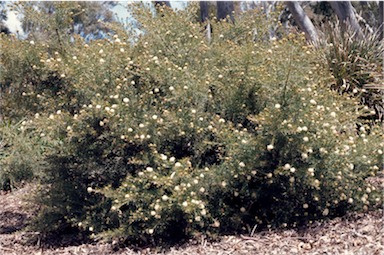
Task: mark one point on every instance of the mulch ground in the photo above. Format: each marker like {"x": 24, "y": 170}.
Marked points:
{"x": 353, "y": 234}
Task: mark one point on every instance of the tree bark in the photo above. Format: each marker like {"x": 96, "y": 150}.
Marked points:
{"x": 204, "y": 17}
{"x": 345, "y": 12}
{"x": 204, "y": 11}
{"x": 166, "y": 3}
{"x": 224, "y": 9}
{"x": 381, "y": 22}
{"x": 303, "y": 21}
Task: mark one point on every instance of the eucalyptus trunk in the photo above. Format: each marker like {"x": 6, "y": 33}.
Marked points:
{"x": 303, "y": 21}
{"x": 225, "y": 9}
{"x": 346, "y": 14}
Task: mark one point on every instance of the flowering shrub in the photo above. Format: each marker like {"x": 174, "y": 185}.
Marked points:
{"x": 210, "y": 137}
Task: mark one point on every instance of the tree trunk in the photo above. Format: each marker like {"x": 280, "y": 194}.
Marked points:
{"x": 224, "y": 9}
{"x": 381, "y": 22}
{"x": 303, "y": 21}
{"x": 204, "y": 11}
{"x": 204, "y": 17}
{"x": 166, "y": 3}
{"x": 345, "y": 12}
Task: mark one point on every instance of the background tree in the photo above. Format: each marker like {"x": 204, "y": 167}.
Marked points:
{"x": 225, "y": 9}
{"x": 346, "y": 14}
{"x": 381, "y": 22}
{"x": 204, "y": 10}
{"x": 303, "y": 21}
{"x": 3, "y": 18}
{"x": 87, "y": 19}
{"x": 166, "y": 3}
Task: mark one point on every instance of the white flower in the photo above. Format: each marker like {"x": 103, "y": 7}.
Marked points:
{"x": 185, "y": 204}
{"x": 241, "y": 164}
{"x": 171, "y": 88}
{"x": 287, "y": 166}
{"x": 292, "y": 169}
{"x": 312, "y": 101}
{"x": 202, "y": 190}
{"x": 89, "y": 189}
{"x": 141, "y": 125}
{"x": 305, "y": 139}
{"x": 177, "y": 164}
{"x": 311, "y": 170}
{"x": 277, "y": 106}
{"x": 150, "y": 231}
{"x": 333, "y": 114}
{"x": 172, "y": 159}
{"x": 269, "y": 175}
{"x": 270, "y": 147}
{"x": 90, "y": 229}
{"x": 154, "y": 116}
{"x": 304, "y": 155}
{"x": 149, "y": 169}
{"x": 32, "y": 42}
{"x": 305, "y": 206}
{"x": 125, "y": 100}
{"x": 164, "y": 197}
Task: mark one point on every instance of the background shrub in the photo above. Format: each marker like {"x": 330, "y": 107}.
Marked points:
{"x": 20, "y": 155}
{"x": 357, "y": 67}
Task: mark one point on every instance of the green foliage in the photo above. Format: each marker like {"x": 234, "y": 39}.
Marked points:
{"x": 175, "y": 131}
{"x": 357, "y": 67}
{"x": 20, "y": 155}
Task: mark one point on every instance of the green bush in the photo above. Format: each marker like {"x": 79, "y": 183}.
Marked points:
{"x": 20, "y": 155}
{"x": 356, "y": 65}
{"x": 211, "y": 137}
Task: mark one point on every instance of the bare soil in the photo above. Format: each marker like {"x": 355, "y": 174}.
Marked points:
{"x": 353, "y": 234}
